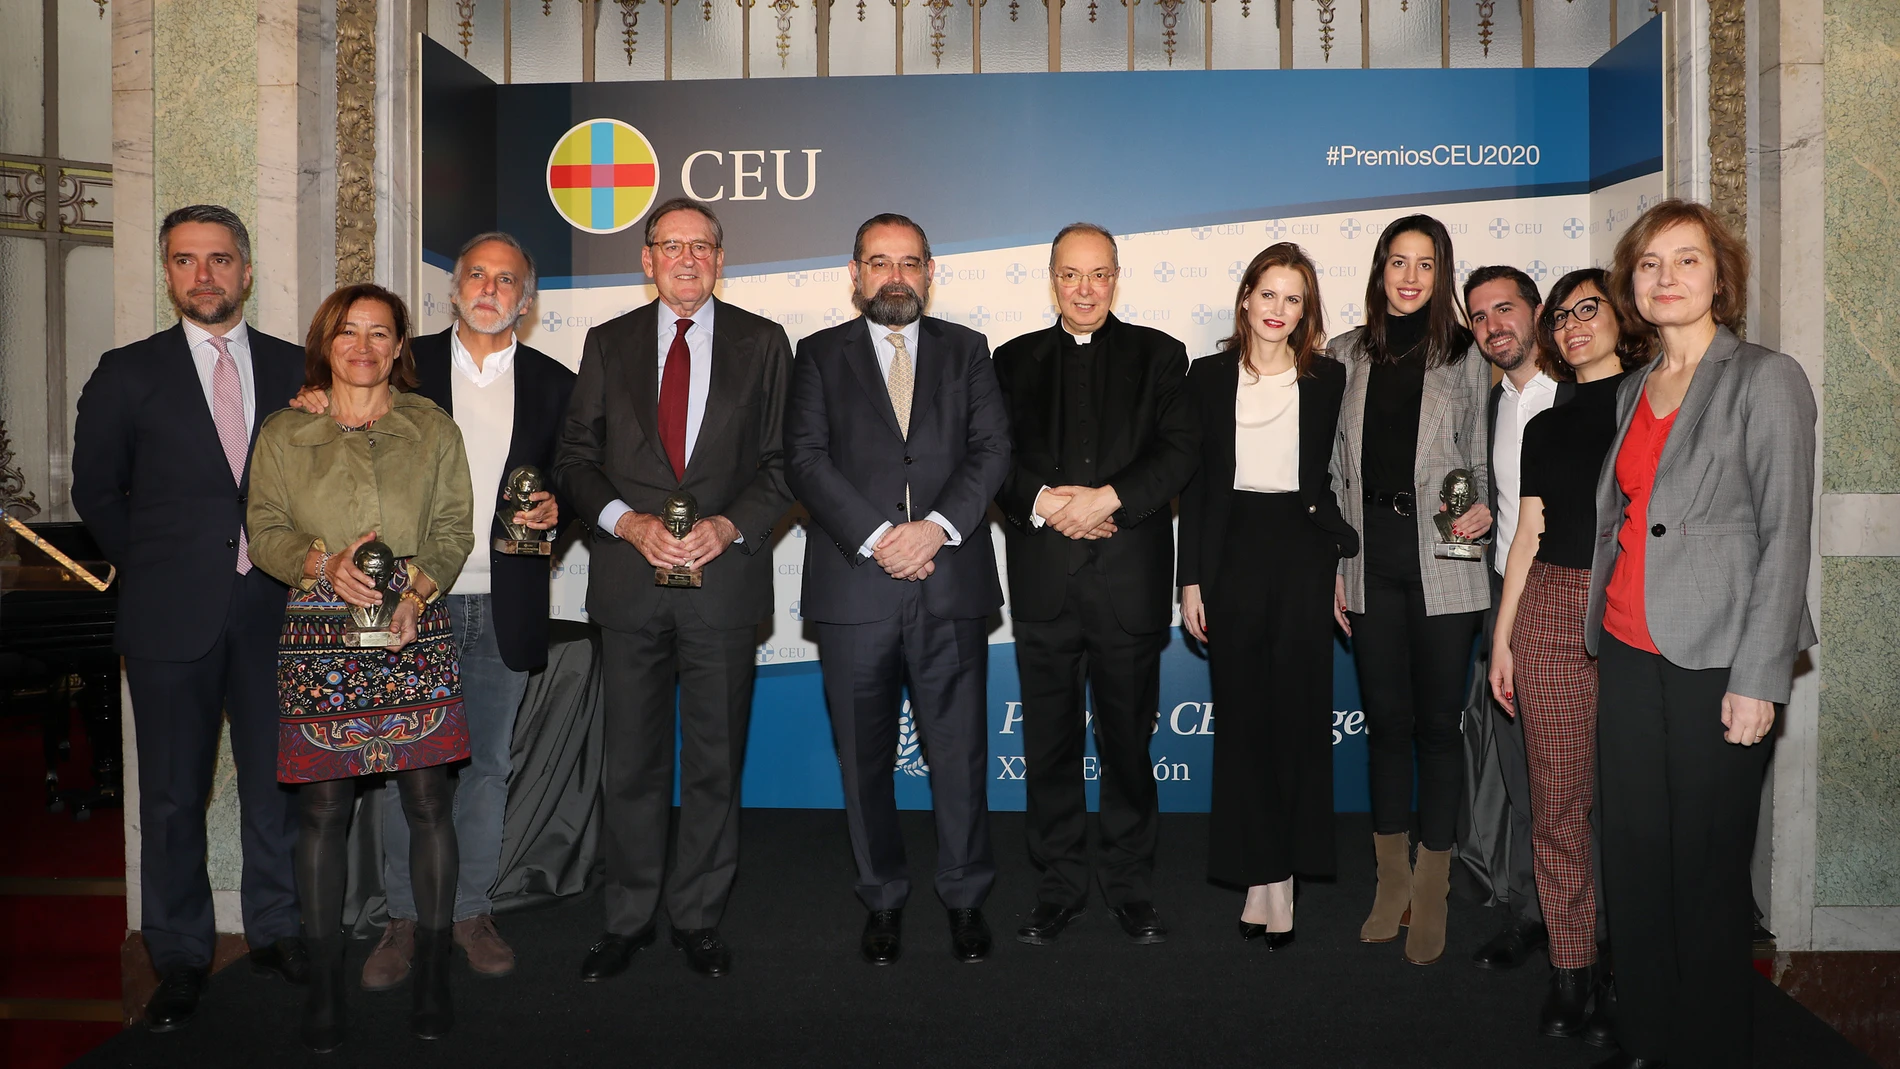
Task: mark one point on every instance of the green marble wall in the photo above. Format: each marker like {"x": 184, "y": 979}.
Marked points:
{"x": 204, "y": 113}
{"x": 1858, "y": 824}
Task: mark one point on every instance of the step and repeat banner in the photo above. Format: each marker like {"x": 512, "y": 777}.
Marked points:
{"x": 1194, "y": 171}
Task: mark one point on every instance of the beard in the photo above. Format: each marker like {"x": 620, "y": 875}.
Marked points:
{"x": 895, "y": 305}
{"x": 484, "y": 320}
{"x": 1513, "y": 358}
{"x": 206, "y": 307}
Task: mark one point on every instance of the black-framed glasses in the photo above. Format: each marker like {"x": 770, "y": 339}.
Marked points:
{"x": 700, "y": 249}
{"x": 883, "y": 265}
{"x": 1072, "y": 278}
{"x": 1583, "y": 312}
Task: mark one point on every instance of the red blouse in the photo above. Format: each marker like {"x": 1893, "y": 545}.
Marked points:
{"x": 1624, "y": 614}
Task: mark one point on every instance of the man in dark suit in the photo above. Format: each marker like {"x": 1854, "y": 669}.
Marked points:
{"x": 896, "y": 439}
{"x": 510, "y": 402}
{"x": 684, "y": 394}
{"x": 161, "y": 470}
{"x": 1102, "y": 440}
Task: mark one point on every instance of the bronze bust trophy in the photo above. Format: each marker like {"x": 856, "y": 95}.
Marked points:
{"x": 522, "y": 541}
{"x": 680, "y": 512}
{"x": 371, "y": 627}
{"x": 1459, "y": 495}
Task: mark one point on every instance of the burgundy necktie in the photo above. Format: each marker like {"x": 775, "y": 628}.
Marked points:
{"x": 675, "y": 381}
{"x": 227, "y": 412}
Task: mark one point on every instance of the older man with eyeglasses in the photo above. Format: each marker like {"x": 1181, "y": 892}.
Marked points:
{"x": 684, "y": 395}
{"x": 1103, "y": 439}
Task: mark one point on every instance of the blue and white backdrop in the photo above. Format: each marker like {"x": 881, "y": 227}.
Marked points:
{"x": 1195, "y": 171}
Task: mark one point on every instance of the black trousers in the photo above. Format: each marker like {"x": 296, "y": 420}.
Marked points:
{"x": 1081, "y": 663}
{"x": 1678, "y": 805}
{"x": 714, "y": 671}
{"x": 1521, "y": 876}
{"x": 946, "y": 663}
{"x": 1270, "y": 660}
{"x": 177, "y": 707}
{"x": 1412, "y": 672}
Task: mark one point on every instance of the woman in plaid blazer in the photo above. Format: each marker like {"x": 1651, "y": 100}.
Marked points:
{"x": 1414, "y": 412}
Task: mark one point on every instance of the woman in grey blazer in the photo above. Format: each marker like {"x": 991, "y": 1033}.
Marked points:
{"x": 1414, "y": 411}
{"x": 1698, "y": 605}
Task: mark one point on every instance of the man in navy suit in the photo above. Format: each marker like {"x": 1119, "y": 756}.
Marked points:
{"x": 896, "y": 438}
{"x": 161, "y": 467}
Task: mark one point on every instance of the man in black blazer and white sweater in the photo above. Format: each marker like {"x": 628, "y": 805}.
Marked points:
{"x": 509, "y": 401}
{"x": 1103, "y": 440}
{"x": 161, "y": 469}
{"x": 684, "y": 394}
{"x": 896, "y": 439}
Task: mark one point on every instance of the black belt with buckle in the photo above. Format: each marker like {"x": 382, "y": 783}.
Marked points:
{"x": 1399, "y": 501}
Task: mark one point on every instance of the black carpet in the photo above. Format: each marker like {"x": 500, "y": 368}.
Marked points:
{"x": 799, "y": 994}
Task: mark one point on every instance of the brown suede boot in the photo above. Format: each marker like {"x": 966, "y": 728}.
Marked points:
{"x": 1431, "y": 884}
{"x": 1395, "y": 889}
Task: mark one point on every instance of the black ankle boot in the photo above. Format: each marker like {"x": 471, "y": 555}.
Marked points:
{"x": 432, "y": 1015}
{"x": 1566, "y": 1000}
{"x": 322, "y": 1027}
{"x": 1600, "y": 1030}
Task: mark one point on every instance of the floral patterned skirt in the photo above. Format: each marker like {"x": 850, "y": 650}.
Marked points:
{"x": 351, "y": 712}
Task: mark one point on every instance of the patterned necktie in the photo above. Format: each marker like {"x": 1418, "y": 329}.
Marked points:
{"x": 674, "y": 384}
{"x": 227, "y": 411}
{"x": 901, "y": 380}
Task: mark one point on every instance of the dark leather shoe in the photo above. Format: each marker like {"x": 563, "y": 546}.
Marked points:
{"x": 1046, "y": 922}
{"x": 706, "y": 953}
{"x": 1629, "y": 1061}
{"x": 611, "y": 956}
{"x": 883, "y": 940}
{"x": 286, "y": 957}
{"x": 1512, "y": 945}
{"x": 969, "y": 936}
{"x": 1566, "y": 1001}
{"x": 175, "y": 1003}
{"x": 1600, "y": 1029}
{"x": 1140, "y": 921}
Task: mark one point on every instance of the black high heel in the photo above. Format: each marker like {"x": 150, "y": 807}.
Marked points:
{"x": 1250, "y": 931}
{"x": 1279, "y": 940}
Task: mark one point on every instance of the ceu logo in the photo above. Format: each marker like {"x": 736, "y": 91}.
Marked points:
{"x": 766, "y": 654}
{"x": 1350, "y": 313}
{"x": 1016, "y": 274}
{"x": 1048, "y": 316}
{"x": 1236, "y": 269}
{"x": 1350, "y": 228}
{"x": 1200, "y": 232}
{"x": 429, "y": 304}
{"x": 1276, "y": 229}
{"x": 1573, "y": 228}
{"x": 1463, "y": 270}
{"x": 550, "y": 321}
{"x": 1537, "y": 269}
{"x": 601, "y": 176}
{"x": 944, "y": 274}
{"x": 1202, "y": 315}
{"x": 979, "y": 317}
{"x": 911, "y": 760}
{"x": 792, "y": 610}
{"x": 1164, "y": 272}
{"x": 833, "y": 317}
{"x": 797, "y": 278}
{"x": 1499, "y": 228}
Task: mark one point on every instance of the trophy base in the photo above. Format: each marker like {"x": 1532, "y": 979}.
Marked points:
{"x": 369, "y": 639}
{"x": 1459, "y": 551}
{"x": 683, "y": 578}
{"x": 524, "y": 547}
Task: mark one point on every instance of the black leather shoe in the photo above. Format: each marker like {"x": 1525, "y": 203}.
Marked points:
{"x": 1046, "y": 922}
{"x": 175, "y": 1003}
{"x": 1629, "y": 1061}
{"x": 706, "y": 953}
{"x": 611, "y": 956}
{"x": 1140, "y": 921}
{"x": 1512, "y": 945}
{"x": 883, "y": 938}
{"x": 1600, "y": 1029}
{"x": 1566, "y": 1001}
{"x": 286, "y": 957}
{"x": 969, "y": 936}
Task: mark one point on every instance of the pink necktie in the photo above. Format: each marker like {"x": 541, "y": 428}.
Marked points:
{"x": 227, "y": 411}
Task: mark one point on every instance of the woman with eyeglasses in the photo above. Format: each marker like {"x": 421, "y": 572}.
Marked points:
{"x": 1698, "y": 606}
{"x": 1261, "y": 537}
{"x": 1414, "y": 413}
{"x": 1539, "y": 666}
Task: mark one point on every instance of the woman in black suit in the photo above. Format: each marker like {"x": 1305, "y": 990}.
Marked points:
{"x": 1261, "y": 535}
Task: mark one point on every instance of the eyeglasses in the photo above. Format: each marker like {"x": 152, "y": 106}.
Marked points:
{"x": 883, "y": 265}
{"x": 1583, "y": 312}
{"x": 1072, "y": 278}
{"x": 672, "y": 249}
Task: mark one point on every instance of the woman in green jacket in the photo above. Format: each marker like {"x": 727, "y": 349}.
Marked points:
{"x": 381, "y": 464}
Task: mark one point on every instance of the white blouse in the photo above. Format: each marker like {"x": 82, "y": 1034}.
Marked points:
{"x": 1267, "y": 433}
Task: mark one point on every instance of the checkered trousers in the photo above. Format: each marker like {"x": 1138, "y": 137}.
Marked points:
{"x": 1556, "y": 689}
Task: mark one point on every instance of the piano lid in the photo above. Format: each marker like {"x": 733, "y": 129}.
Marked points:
{"x": 50, "y": 557}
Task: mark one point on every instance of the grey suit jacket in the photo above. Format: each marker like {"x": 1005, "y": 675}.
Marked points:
{"x": 1451, "y": 434}
{"x": 1725, "y": 571}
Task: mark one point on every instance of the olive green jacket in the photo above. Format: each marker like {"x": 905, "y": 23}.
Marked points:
{"x": 312, "y": 483}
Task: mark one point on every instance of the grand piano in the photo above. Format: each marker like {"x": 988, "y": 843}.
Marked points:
{"x": 56, "y": 653}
